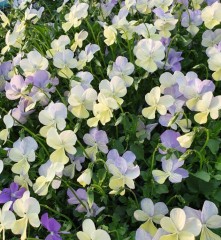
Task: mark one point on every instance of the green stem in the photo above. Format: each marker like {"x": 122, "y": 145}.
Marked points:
{"x": 83, "y": 149}
{"x": 58, "y": 213}
{"x": 135, "y": 197}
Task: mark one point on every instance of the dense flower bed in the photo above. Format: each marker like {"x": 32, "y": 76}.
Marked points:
{"x": 110, "y": 119}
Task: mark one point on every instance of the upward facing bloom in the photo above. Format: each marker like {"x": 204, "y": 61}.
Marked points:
{"x": 208, "y": 217}
{"x": 149, "y": 54}
{"x": 157, "y": 103}
{"x": 62, "y": 142}
{"x": 91, "y": 233}
{"x": 150, "y": 213}
{"x": 27, "y": 208}
{"x": 123, "y": 170}
{"x": 77, "y": 12}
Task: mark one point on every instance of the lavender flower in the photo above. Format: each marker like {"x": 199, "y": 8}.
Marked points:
{"x": 80, "y": 197}
{"x": 52, "y": 226}
{"x": 12, "y": 193}
{"x": 98, "y": 140}
{"x": 171, "y": 169}
{"x": 169, "y": 140}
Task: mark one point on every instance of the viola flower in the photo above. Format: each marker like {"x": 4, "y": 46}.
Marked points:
{"x": 191, "y": 20}
{"x": 52, "y": 226}
{"x": 12, "y": 193}
{"x": 173, "y": 60}
{"x": 62, "y": 142}
{"x": 151, "y": 213}
{"x": 16, "y": 88}
{"x": 123, "y": 170}
{"x": 33, "y": 14}
{"x": 53, "y": 115}
{"x": 165, "y": 22}
{"x": 84, "y": 80}
{"x": 149, "y": 54}
{"x": 98, "y": 140}
{"x": 186, "y": 140}
{"x": 145, "y": 131}
{"x": 141, "y": 234}
{"x": 27, "y": 208}
{"x": 81, "y": 101}
{"x": 78, "y": 39}
{"x": 115, "y": 88}
{"x": 33, "y": 62}
{"x": 92, "y": 211}
{"x": 76, "y": 161}
{"x": 171, "y": 169}
{"x": 208, "y": 217}
{"x": 9, "y": 123}
{"x": 47, "y": 172}
{"x": 65, "y": 61}
{"x": 7, "y": 218}
{"x": 110, "y": 34}
{"x": 91, "y": 233}
{"x": 157, "y": 103}
{"x": 77, "y": 13}
{"x": 22, "y": 153}
{"x": 210, "y": 38}
{"x": 87, "y": 55}
{"x": 103, "y": 110}
{"x": 211, "y": 15}
{"x": 58, "y": 45}
{"x": 208, "y": 105}
{"x": 179, "y": 226}
{"x": 169, "y": 140}
{"x": 85, "y": 178}
{"x": 123, "y": 69}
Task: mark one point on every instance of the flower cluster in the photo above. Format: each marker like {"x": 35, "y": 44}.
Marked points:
{"x": 104, "y": 104}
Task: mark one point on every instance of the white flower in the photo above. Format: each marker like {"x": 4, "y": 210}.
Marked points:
{"x": 58, "y": 45}
{"x": 33, "y": 62}
{"x": 7, "y": 218}
{"x": 27, "y": 208}
{"x": 186, "y": 139}
{"x": 150, "y": 213}
{"x": 215, "y": 65}
{"x": 53, "y": 115}
{"x": 9, "y": 122}
{"x": 33, "y": 14}
{"x": 62, "y": 142}
{"x": 85, "y": 178}
{"x": 179, "y": 226}
{"x": 110, "y": 33}
{"x": 210, "y": 38}
{"x": 157, "y": 103}
{"x": 122, "y": 68}
{"x": 90, "y": 232}
{"x": 77, "y": 12}
{"x": 4, "y": 19}
{"x": 208, "y": 105}
{"x": 78, "y": 39}
{"x": 102, "y": 110}
{"x": 23, "y": 151}
{"x": 149, "y": 53}
{"x": 81, "y": 101}
{"x": 211, "y": 15}
{"x": 115, "y": 89}
{"x": 163, "y": 4}
{"x": 65, "y": 61}
{"x": 48, "y": 171}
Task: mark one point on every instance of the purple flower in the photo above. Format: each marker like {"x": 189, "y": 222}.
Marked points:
{"x": 5, "y": 68}
{"x": 97, "y": 139}
{"x": 171, "y": 169}
{"x": 173, "y": 61}
{"x": 169, "y": 140}
{"x": 141, "y": 234}
{"x": 52, "y": 226}
{"x": 144, "y": 131}
{"x": 20, "y": 113}
{"x": 81, "y": 194}
{"x": 12, "y": 193}
{"x": 16, "y": 88}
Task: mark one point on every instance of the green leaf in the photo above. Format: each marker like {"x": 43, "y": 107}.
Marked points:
{"x": 202, "y": 175}
{"x": 138, "y": 151}
{"x": 213, "y": 145}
